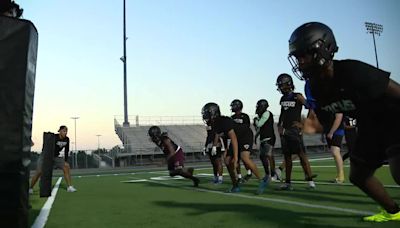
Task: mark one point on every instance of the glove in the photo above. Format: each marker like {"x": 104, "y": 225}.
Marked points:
{"x": 214, "y": 151}
{"x": 204, "y": 151}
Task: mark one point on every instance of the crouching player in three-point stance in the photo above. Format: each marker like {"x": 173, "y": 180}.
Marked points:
{"x": 174, "y": 153}
{"x": 358, "y": 90}
{"x": 224, "y": 127}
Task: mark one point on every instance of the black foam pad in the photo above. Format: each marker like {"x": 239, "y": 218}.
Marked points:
{"x": 18, "y": 52}
{"x": 49, "y": 143}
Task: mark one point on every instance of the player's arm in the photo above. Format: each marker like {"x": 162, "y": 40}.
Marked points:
{"x": 393, "y": 89}
{"x": 335, "y": 125}
{"x": 66, "y": 152}
{"x": 234, "y": 144}
{"x": 280, "y": 123}
{"x": 311, "y": 125}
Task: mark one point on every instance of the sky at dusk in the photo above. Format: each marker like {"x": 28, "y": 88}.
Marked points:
{"x": 181, "y": 54}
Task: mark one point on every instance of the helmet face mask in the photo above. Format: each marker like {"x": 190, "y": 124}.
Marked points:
{"x": 154, "y": 134}
{"x": 261, "y": 107}
{"x": 311, "y": 47}
{"x": 210, "y": 112}
{"x": 236, "y": 105}
{"x": 285, "y": 85}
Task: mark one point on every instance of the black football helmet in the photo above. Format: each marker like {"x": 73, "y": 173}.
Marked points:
{"x": 236, "y": 105}
{"x": 261, "y": 107}
{"x": 284, "y": 82}
{"x": 210, "y": 111}
{"x": 315, "y": 39}
{"x": 154, "y": 133}
{"x": 11, "y": 8}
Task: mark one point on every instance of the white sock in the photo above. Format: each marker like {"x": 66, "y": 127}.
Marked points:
{"x": 249, "y": 172}
{"x": 239, "y": 176}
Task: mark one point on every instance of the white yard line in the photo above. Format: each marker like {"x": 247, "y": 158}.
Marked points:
{"x": 275, "y": 200}
{"x": 41, "y": 219}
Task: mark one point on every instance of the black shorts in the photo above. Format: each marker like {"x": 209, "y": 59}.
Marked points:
{"x": 378, "y": 139}
{"x": 335, "y": 141}
{"x": 292, "y": 144}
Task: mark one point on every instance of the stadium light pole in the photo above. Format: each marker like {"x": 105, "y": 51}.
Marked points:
{"x": 76, "y": 160}
{"x": 98, "y": 147}
{"x": 123, "y": 59}
{"x": 374, "y": 29}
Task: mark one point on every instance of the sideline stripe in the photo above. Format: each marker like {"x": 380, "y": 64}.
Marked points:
{"x": 275, "y": 200}
{"x": 41, "y": 219}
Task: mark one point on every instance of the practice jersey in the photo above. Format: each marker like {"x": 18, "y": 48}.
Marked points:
{"x": 267, "y": 129}
{"x": 358, "y": 90}
{"x": 60, "y": 144}
{"x": 324, "y": 117}
{"x": 222, "y": 125}
{"x": 241, "y": 124}
{"x": 356, "y": 87}
{"x": 161, "y": 145}
{"x": 290, "y": 110}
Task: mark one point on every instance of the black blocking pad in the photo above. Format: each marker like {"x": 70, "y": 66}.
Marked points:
{"x": 18, "y": 53}
{"x": 49, "y": 143}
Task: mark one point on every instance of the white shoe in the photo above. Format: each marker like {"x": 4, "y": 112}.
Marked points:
{"x": 311, "y": 185}
{"x": 278, "y": 174}
{"x": 30, "y": 191}
{"x": 71, "y": 189}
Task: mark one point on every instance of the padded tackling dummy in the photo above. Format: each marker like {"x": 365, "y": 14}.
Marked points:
{"x": 18, "y": 52}
{"x": 49, "y": 144}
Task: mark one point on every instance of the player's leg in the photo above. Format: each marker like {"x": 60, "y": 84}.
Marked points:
{"x": 37, "y": 175}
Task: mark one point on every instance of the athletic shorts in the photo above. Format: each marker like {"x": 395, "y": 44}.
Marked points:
{"x": 245, "y": 143}
{"x": 378, "y": 139}
{"x": 335, "y": 141}
{"x": 58, "y": 163}
{"x": 266, "y": 148}
{"x": 176, "y": 161}
{"x": 292, "y": 143}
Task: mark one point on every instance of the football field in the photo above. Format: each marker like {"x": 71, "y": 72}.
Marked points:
{"x": 150, "y": 198}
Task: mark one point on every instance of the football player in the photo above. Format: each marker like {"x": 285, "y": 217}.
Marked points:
{"x": 358, "y": 90}
{"x": 174, "y": 155}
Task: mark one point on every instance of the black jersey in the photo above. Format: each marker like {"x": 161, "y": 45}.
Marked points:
{"x": 355, "y": 87}
{"x": 210, "y": 135}
{"x": 358, "y": 90}
{"x": 290, "y": 110}
{"x": 222, "y": 125}
{"x": 60, "y": 144}
{"x": 267, "y": 129}
{"x": 241, "y": 124}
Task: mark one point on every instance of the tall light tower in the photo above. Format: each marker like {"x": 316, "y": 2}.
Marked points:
{"x": 76, "y": 160}
{"x": 374, "y": 29}
{"x": 123, "y": 59}
{"x": 98, "y": 142}
{"x": 98, "y": 147}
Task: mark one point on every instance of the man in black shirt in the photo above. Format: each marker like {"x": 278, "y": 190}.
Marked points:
{"x": 62, "y": 142}
{"x": 358, "y": 90}
{"x": 245, "y": 139}
{"x": 289, "y": 128}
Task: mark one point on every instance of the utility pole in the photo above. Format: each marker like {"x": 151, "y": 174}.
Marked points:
{"x": 123, "y": 59}
{"x": 98, "y": 147}
{"x": 76, "y": 151}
